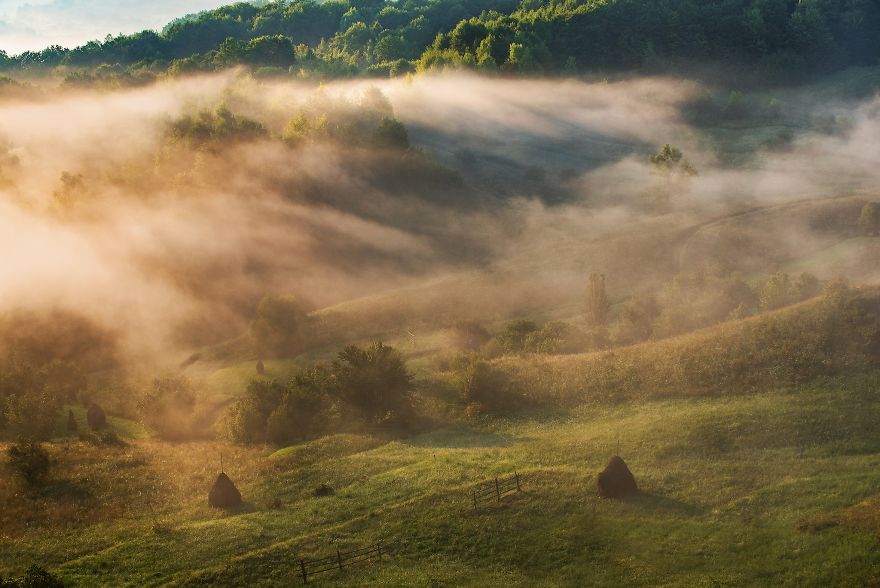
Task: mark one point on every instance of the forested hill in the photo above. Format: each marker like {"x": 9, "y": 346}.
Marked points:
{"x": 336, "y": 38}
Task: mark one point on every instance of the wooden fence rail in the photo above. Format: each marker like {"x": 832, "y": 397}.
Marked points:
{"x": 312, "y": 567}
{"x": 497, "y": 489}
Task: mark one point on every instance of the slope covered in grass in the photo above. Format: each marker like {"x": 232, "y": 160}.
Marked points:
{"x": 833, "y": 334}
{"x": 732, "y": 488}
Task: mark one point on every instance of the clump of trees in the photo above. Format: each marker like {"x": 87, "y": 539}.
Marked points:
{"x": 525, "y": 336}
{"x": 368, "y": 121}
{"x": 207, "y": 128}
{"x": 363, "y": 386}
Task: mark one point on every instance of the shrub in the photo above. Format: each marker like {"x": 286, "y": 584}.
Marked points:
{"x": 34, "y": 577}
{"x": 30, "y": 460}
{"x": 482, "y": 387}
{"x": 513, "y": 338}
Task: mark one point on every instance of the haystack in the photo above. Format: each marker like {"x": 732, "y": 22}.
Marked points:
{"x": 224, "y": 494}
{"x": 616, "y": 481}
{"x": 261, "y": 367}
{"x": 71, "y": 422}
{"x": 96, "y": 418}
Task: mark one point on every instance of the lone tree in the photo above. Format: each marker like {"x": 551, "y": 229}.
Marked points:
{"x": 374, "y": 380}
{"x": 598, "y": 305}
{"x": 869, "y": 219}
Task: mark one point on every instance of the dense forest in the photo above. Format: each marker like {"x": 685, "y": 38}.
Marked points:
{"x": 774, "y": 39}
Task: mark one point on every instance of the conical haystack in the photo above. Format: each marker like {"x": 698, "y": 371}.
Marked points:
{"x": 616, "y": 481}
{"x": 96, "y": 417}
{"x": 224, "y": 494}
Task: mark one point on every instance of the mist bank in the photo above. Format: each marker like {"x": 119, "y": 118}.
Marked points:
{"x": 164, "y": 214}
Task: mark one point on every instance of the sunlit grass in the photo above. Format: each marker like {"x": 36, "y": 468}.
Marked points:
{"x": 730, "y": 487}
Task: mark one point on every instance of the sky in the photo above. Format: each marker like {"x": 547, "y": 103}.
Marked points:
{"x": 36, "y": 24}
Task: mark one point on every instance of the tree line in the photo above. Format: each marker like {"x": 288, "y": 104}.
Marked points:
{"x": 790, "y": 38}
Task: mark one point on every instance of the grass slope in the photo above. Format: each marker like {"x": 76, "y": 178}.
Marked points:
{"x": 829, "y": 335}
{"x": 732, "y": 487}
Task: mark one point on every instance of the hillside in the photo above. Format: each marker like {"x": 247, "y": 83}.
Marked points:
{"x": 785, "y": 40}
{"x": 832, "y": 335}
{"x": 748, "y": 477}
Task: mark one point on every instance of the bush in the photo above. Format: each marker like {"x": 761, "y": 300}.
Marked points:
{"x": 30, "y": 460}
{"x": 34, "y": 577}
{"x": 513, "y": 338}
{"x": 482, "y": 387}
{"x": 282, "y": 413}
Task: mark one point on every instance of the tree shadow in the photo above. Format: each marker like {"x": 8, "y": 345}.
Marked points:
{"x": 656, "y": 502}
{"x": 462, "y": 439}
{"x": 66, "y": 490}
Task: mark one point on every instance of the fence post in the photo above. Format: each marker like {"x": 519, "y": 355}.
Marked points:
{"x": 475, "y": 500}
{"x": 339, "y": 557}
{"x": 302, "y": 567}
{"x": 516, "y": 475}
{"x": 497, "y": 490}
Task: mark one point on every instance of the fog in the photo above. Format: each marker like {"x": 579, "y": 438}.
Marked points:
{"x": 171, "y": 246}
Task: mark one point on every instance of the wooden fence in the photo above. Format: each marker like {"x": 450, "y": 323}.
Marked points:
{"x": 312, "y": 567}
{"x": 497, "y": 489}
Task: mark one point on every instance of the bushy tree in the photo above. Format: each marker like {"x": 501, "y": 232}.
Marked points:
{"x": 513, "y": 338}
{"x": 482, "y": 387}
{"x": 374, "y": 380}
{"x": 302, "y": 412}
{"x": 283, "y": 413}
{"x": 281, "y": 327}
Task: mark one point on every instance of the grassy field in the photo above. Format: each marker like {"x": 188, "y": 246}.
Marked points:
{"x": 762, "y": 489}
